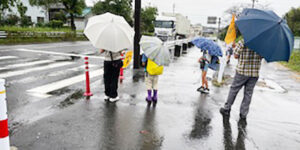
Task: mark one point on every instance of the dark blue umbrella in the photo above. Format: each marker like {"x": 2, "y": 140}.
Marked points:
{"x": 209, "y": 45}
{"x": 266, "y": 33}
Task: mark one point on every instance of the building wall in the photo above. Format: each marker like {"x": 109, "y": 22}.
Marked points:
{"x": 33, "y": 11}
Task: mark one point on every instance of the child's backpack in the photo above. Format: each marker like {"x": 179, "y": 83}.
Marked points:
{"x": 153, "y": 68}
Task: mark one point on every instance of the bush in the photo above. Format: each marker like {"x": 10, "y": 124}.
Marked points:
{"x": 55, "y": 24}
{"x": 25, "y": 22}
{"x": 60, "y": 16}
{"x": 40, "y": 24}
{"x": 12, "y": 20}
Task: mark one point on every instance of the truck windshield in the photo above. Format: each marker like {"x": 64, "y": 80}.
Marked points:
{"x": 163, "y": 24}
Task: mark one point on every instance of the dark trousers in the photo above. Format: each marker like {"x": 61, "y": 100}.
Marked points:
{"x": 240, "y": 81}
{"x": 111, "y": 77}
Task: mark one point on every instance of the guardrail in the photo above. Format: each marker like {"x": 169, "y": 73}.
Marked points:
{"x": 3, "y": 34}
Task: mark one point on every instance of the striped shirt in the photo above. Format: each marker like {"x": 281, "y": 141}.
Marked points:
{"x": 249, "y": 62}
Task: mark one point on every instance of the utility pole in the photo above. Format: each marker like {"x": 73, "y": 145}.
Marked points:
{"x": 137, "y": 36}
{"x": 219, "y": 23}
{"x": 173, "y": 8}
{"x": 253, "y": 2}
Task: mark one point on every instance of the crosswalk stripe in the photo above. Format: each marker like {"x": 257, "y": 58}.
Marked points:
{"x": 57, "y": 53}
{"x": 43, "y": 90}
{"x": 20, "y": 72}
{"x": 7, "y": 57}
{"x": 26, "y": 64}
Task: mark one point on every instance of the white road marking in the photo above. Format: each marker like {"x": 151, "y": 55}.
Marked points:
{"x": 26, "y": 64}
{"x": 56, "y": 53}
{"x": 43, "y": 90}
{"x": 20, "y": 72}
{"x": 7, "y": 57}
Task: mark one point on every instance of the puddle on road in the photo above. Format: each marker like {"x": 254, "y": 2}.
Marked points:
{"x": 72, "y": 99}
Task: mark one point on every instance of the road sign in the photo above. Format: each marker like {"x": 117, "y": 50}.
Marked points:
{"x": 211, "y": 20}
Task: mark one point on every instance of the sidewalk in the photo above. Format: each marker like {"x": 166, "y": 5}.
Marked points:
{"x": 182, "y": 119}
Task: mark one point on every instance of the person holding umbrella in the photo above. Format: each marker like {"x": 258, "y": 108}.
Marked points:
{"x": 112, "y": 66}
{"x": 258, "y": 28}
{"x": 247, "y": 73}
{"x": 155, "y": 56}
{"x": 204, "y": 63}
{"x": 210, "y": 50}
{"x": 111, "y": 34}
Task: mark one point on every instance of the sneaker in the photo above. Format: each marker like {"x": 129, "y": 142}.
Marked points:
{"x": 224, "y": 112}
{"x": 106, "y": 98}
{"x": 206, "y": 90}
{"x": 200, "y": 89}
{"x": 114, "y": 99}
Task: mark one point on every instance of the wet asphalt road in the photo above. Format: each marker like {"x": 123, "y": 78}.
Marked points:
{"x": 183, "y": 118}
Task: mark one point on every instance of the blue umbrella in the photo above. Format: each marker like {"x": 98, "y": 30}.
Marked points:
{"x": 209, "y": 45}
{"x": 267, "y": 34}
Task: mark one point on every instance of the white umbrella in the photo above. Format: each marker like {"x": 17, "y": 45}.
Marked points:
{"x": 155, "y": 50}
{"x": 109, "y": 32}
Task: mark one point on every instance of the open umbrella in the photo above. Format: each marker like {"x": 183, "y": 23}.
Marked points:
{"x": 209, "y": 45}
{"x": 267, "y": 34}
{"x": 109, "y": 32}
{"x": 155, "y": 50}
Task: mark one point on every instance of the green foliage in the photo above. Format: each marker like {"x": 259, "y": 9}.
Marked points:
{"x": 293, "y": 20}
{"x": 294, "y": 62}
{"x": 148, "y": 15}
{"x": 73, "y": 7}
{"x": 118, "y": 7}
{"x": 25, "y": 21}
{"x": 36, "y": 29}
{"x": 21, "y": 9}
{"x": 55, "y": 24}
{"x": 11, "y": 20}
{"x": 43, "y": 3}
{"x": 5, "y": 5}
{"x": 223, "y": 33}
{"x": 60, "y": 16}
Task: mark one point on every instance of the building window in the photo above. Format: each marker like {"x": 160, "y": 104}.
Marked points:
{"x": 40, "y": 19}
{"x": 29, "y": 18}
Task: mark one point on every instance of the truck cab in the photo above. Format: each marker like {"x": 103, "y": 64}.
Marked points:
{"x": 164, "y": 28}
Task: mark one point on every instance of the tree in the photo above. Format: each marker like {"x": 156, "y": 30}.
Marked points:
{"x": 5, "y": 5}
{"x": 43, "y": 3}
{"x": 25, "y": 21}
{"x": 293, "y": 19}
{"x": 118, "y": 7}
{"x": 148, "y": 15}
{"x": 73, "y": 7}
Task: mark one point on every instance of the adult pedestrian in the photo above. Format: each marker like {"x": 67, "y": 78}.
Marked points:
{"x": 112, "y": 65}
{"x": 247, "y": 74}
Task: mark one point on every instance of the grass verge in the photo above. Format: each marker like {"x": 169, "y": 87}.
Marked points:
{"x": 294, "y": 63}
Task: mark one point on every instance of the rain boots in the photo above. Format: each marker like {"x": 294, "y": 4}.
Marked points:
{"x": 154, "y": 98}
{"x": 148, "y": 98}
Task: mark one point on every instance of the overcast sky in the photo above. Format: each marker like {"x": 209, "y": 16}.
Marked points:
{"x": 198, "y": 10}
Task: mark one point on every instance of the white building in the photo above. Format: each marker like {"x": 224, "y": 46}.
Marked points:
{"x": 36, "y": 14}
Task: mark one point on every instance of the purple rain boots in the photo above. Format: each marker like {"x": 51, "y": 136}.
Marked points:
{"x": 148, "y": 98}
{"x": 154, "y": 98}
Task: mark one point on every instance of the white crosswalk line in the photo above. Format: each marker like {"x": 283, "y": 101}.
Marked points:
{"x": 43, "y": 90}
{"x": 26, "y": 64}
{"x": 7, "y": 57}
{"x": 20, "y": 72}
{"x": 57, "y": 53}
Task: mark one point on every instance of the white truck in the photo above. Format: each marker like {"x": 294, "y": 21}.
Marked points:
{"x": 171, "y": 26}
